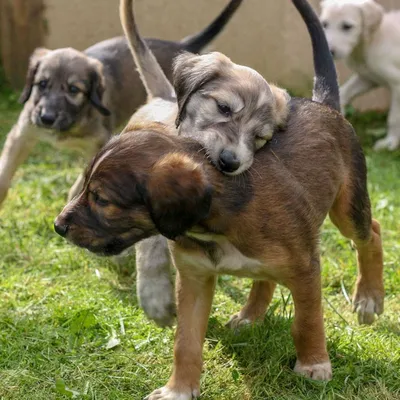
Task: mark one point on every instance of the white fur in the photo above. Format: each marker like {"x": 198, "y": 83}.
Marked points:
{"x": 371, "y": 48}
{"x": 165, "y": 393}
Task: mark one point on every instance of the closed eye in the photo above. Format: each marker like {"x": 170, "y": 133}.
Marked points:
{"x": 224, "y": 109}
{"x": 100, "y": 201}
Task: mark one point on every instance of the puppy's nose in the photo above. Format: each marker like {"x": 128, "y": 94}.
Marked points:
{"x": 48, "y": 117}
{"x": 61, "y": 229}
{"x": 228, "y": 161}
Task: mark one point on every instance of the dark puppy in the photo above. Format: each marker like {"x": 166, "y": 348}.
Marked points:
{"x": 265, "y": 226}
{"x": 77, "y": 99}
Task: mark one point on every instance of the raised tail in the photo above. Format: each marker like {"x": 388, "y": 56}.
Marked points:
{"x": 326, "y": 89}
{"x": 151, "y": 74}
{"x": 195, "y": 43}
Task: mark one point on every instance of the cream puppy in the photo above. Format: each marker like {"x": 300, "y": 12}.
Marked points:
{"x": 360, "y": 32}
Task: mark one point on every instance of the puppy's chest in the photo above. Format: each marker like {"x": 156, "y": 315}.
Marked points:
{"x": 219, "y": 256}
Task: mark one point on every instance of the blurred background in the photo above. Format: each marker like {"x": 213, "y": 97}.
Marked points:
{"x": 267, "y": 35}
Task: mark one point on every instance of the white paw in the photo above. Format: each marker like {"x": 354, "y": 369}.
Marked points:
{"x": 236, "y": 321}
{"x": 318, "y": 372}
{"x": 388, "y": 143}
{"x": 367, "y": 306}
{"x": 165, "y": 393}
{"x": 156, "y": 297}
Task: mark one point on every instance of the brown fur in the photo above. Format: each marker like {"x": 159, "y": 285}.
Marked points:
{"x": 264, "y": 226}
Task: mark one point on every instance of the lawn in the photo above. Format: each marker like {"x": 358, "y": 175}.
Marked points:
{"x": 70, "y": 326}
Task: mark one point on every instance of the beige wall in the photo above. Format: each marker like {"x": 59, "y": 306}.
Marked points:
{"x": 267, "y": 35}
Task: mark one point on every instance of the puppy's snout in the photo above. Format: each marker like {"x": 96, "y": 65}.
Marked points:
{"x": 48, "y": 117}
{"x": 228, "y": 161}
{"x": 61, "y": 227}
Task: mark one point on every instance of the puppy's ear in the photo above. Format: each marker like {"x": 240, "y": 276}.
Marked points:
{"x": 177, "y": 194}
{"x": 97, "y": 88}
{"x": 191, "y": 72}
{"x": 33, "y": 66}
{"x": 282, "y": 99}
{"x": 372, "y": 14}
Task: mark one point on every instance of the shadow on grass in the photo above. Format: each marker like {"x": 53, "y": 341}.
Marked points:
{"x": 264, "y": 356}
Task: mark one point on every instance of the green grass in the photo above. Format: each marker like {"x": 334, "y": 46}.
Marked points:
{"x": 59, "y": 306}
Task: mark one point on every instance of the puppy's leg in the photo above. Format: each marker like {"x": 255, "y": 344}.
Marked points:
{"x": 154, "y": 285}
{"x": 392, "y": 140}
{"x": 20, "y": 141}
{"x": 351, "y": 214}
{"x": 259, "y": 298}
{"x": 194, "y": 298}
{"x": 308, "y": 325}
{"x": 354, "y": 86}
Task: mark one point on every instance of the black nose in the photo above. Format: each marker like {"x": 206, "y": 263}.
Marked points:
{"x": 333, "y": 53}
{"x": 48, "y": 117}
{"x": 61, "y": 229}
{"x": 228, "y": 162}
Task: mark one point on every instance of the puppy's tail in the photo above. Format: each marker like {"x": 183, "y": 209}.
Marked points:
{"x": 326, "y": 89}
{"x": 195, "y": 43}
{"x": 153, "y": 77}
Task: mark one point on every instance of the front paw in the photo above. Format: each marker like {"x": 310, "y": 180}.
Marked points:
{"x": 166, "y": 393}
{"x": 388, "y": 143}
{"x": 156, "y": 297}
{"x": 319, "y": 371}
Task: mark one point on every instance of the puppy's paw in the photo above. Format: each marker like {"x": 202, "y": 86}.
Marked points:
{"x": 156, "y": 297}
{"x": 318, "y": 372}
{"x": 166, "y": 393}
{"x": 388, "y": 143}
{"x": 367, "y": 303}
{"x": 237, "y": 321}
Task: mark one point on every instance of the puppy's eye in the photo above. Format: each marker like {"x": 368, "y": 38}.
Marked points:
{"x": 224, "y": 109}
{"x": 324, "y": 24}
{"x": 42, "y": 84}
{"x": 72, "y": 89}
{"x": 260, "y": 142}
{"x": 346, "y": 26}
{"x": 99, "y": 200}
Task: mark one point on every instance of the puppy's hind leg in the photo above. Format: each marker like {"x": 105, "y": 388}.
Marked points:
{"x": 20, "y": 141}
{"x": 154, "y": 285}
{"x": 352, "y": 215}
{"x": 259, "y": 299}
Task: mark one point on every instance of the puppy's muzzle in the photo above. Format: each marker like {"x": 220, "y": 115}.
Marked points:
{"x": 228, "y": 161}
{"x": 61, "y": 227}
{"x": 47, "y": 118}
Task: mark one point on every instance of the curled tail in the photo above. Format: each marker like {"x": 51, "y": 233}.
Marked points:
{"x": 195, "y": 43}
{"x": 151, "y": 74}
{"x": 326, "y": 89}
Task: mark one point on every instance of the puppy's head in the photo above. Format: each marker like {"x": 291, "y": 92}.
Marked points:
{"x": 138, "y": 185}
{"x": 347, "y": 23}
{"x": 230, "y": 109}
{"x": 63, "y": 86}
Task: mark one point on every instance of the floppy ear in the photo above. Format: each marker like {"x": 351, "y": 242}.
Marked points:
{"x": 282, "y": 99}
{"x": 372, "y": 14}
{"x": 97, "y": 88}
{"x": 33, "y": 66}
{"x": 191, "y": 72}
{"x": 177, "y": 194}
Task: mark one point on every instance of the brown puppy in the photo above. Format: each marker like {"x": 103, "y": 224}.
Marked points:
{"x": 78, "y": 99}
{"x": 265, "y": 226}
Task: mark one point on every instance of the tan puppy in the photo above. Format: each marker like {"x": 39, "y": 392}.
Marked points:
{"x": 265, "y": 226}
{"x": 229, "y": 108}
